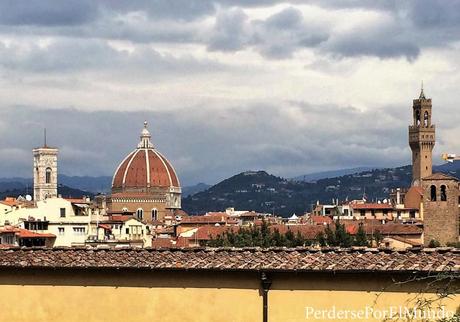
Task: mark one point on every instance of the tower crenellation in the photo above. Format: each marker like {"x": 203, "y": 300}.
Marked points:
{"x": 421, "y": 138}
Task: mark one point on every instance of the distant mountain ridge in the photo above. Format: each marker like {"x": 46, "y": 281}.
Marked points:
{"x": 331, "y": 174}
{"x": 64, "y": 191}
{"x": 84, "y": 183}
{"x": 101, "y": 184}
{"x": 262, "y": 192}
{"x": 191, "y": 190}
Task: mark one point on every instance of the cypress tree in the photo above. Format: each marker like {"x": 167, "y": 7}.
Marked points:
{"x": 361, "y": 237}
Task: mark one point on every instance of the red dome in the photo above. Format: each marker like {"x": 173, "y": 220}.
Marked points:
{"x": 144, "y": 168}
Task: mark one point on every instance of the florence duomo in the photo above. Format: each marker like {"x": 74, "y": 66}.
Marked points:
{"x": 145, "y": 183}
{"x": 229, "y": 161}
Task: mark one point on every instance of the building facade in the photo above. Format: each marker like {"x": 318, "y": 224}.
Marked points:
{"x": 67, "y": 219}
{"x": 440, "y": 209}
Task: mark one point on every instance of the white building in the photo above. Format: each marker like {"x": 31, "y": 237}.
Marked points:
{"x": 119, "y": 230}
{"x": 68, "y": 219}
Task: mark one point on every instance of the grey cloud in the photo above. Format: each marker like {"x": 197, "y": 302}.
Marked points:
{"x": 79, "y": 55}
{"x": 47, "y": 12}
{"x": 170, "y": 9}
{"x": 205, "y": 144}
{"x": 383, "y": 43}
{"x": 389, "y": 5}
{"x": 231, "y": 31}
{"x": 414, "y": 26}
{"x": 276, "y": 37}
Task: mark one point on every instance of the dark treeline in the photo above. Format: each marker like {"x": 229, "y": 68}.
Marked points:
{"x": 263, "y": 236}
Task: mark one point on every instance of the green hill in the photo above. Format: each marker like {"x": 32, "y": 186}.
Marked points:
{"x": 262, "y": 192}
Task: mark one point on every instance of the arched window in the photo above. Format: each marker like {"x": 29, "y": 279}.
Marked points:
{"x": 443, "y": 193}
{"x": 417, "y": 118}
{"x": 154, "y": 214}
{"x": 140, "y": 213}
{"x": 124, "y": 209}
{"x": 48, "y": 175}
{"x": 425, "y": 119}
{"x": 433, "y": 193}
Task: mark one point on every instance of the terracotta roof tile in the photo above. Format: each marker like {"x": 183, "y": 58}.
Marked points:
{"x": 321, "y": 220}
{"x": 162, "y": 242}
{"x": 211, "y": 219}
{"x": 76, "y": 200}
{"x": 24, "y": 233}
{"x": 371, "y": 206}
{"x": 244, "y": 259}
{"x": 440, "y": 176}
{"x": 9, "y": 201}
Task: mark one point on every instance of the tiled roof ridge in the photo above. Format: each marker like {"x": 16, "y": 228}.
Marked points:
{"x": 327, "y": 249}
{"x": 277, "y": 259}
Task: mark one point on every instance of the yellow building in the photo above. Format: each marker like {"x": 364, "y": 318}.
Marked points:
{"x": 219, "y": 285}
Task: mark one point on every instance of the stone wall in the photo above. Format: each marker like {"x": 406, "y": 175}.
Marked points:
{"x": 441, "y": 218}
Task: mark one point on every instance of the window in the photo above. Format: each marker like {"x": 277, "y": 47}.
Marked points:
{"x": 443, "y": 193}
{"x": 48, "y": 175}
{"x": 154, "y": 214}
{"x": 36, "y": 225}
{"x": 127, "y": 231}
{"x": 79, "y": 231}
{"x": 433, "y": 193}
{"x": 8, "y": 239}
{"x": 62, "y": 212}
{"x": 140, "y": 213}
{"x": 417, "y": 118}
{"x": 61, "y": 231}
{"x": 425, "y": 119}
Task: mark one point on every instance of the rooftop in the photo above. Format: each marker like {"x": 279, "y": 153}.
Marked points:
{"x": 24, "y": 233}
{"x": 302, "y": 259}
{"x": 372, "y": 206}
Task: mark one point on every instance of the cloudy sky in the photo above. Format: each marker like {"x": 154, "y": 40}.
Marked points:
{"x": 226, "y": 85}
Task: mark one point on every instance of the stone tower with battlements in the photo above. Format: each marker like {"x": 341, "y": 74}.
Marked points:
{"x": 421, "y": 139}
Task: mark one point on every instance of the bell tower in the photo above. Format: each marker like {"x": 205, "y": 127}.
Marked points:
{"x": 45, "y": 172}
{"x": 421, "y": 138}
